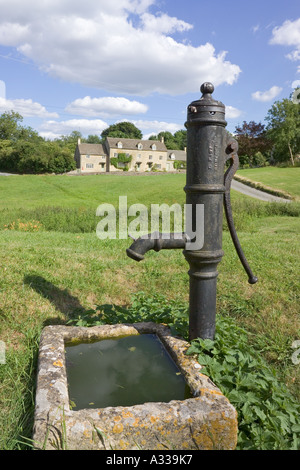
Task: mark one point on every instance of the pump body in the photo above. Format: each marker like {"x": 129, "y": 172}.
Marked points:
{"x": 209, "y": 146}
{"x": 206, "y": 143}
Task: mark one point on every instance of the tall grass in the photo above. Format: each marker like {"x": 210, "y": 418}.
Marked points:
{"x": 84, "y": 220}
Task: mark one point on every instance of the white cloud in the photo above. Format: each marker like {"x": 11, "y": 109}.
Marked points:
{"x": 231, "y": 112}
{"x": 12, "y": 34}
{"x": 115, "y": 45}
{"x": 155, "y": 127}
{"x": 288, "y": 34}
{"x": 164, "y": 24}
{"x": 2, "y": 89}
{"x": 105, "y": 106}
{"x": 27, "y": 108}
{"x": 268, "y": 95}
{"x": 55, "y": 129}
{"x": 294, "y": 55}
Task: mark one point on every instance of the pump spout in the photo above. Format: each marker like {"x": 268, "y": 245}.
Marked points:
{"x": 155, "y": 241}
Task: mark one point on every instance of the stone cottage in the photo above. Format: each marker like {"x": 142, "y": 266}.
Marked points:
{"x": 117, "y": 154}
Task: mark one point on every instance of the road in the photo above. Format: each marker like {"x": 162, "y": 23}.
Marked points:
{"x": 248, "y": 191}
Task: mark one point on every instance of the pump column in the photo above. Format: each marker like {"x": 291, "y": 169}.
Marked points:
{"x": 206, "y": 141}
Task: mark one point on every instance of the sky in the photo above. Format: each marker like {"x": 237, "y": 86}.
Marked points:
{"x": 70, "y": 65}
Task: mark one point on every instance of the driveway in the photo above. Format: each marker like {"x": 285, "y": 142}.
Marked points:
{"x": 252, "y": 192}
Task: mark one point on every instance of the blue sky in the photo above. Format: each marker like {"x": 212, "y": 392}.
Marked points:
{"x": 70, "y": 65}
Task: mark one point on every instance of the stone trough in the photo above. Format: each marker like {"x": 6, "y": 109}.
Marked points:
{"x": 206, "y": 421}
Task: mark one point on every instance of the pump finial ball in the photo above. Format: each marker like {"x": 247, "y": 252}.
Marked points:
{"x": 207, "y": 87}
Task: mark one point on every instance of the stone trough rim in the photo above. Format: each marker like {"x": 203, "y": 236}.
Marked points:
{"x": 52, "y": 397}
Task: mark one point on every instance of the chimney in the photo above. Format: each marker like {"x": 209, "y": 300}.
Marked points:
{"x": 162, "y": 139}
{"x": 79, "y": 141}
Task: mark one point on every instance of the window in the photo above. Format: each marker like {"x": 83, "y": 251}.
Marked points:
{"x": 150, "y": 157}
{"x": 120, "y": 145}
{"x": 140, "y": 146}
{"x": 139, "y": 156}
{"x": 89, "y": 165}
{"x": 153, "y": 147}
{"x": 88, "y": 156}
{"x": 103, "y": 157}
{"x": 161, "y": 157}
{"x": 172, "y": 156}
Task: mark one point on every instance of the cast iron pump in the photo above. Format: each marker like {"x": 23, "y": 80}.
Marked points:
{"x": 209, "y": 147}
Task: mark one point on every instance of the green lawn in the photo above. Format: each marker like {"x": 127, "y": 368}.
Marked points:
{"x": 286, "y": 179}
{"x": 56, "y": 273}
{"x": 88, "y": 191}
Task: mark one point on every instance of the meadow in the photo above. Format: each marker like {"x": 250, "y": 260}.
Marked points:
{"x": 55, "y": 270}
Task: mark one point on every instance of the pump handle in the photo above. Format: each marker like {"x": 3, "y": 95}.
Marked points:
{"x": 231, "y": 153}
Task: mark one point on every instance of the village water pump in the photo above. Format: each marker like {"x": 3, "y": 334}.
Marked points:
{"x": 209, "y": 147}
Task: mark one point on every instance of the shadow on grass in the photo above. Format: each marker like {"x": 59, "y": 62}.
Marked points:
{"x": 70, "y": 307}
{"x": 60, "y": 298}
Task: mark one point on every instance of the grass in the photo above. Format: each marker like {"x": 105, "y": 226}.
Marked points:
{"x": 28, "y": 192}
{"x": 62, "y": 271}
{"x": 285, "y": 179}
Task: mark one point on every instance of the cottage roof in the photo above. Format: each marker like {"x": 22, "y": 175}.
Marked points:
{"x": 91, "y": 149}
{"x": 178, "y": 154}
{"x": 132, "y": 144}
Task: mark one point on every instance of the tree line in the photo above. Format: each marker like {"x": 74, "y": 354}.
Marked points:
{"x": 276, "y": 143}
{"x": 23, "y": 150}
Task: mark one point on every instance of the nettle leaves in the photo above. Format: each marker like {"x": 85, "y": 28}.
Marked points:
{"x": 268, "y": 415}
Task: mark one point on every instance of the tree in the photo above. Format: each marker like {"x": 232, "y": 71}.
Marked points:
{"x": 173, "y": 142}
{"x": 9, "y": 125}
{"x": 72, "y": 137}
{"x": 93, "y": 139}
{"x": 125, "y": 130}
{"x": 70, "y": 141}
{"x": 284, "y": 129}
{"x": 6, "y": 150}
{"x": 10, "y": 128}
{"x": 252, "y": 140}
{"x": 60, "y": 159}
{"x": 181, "y": 139}
{"x": 168, "y": 139}
{"x": 29, "y": 157}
